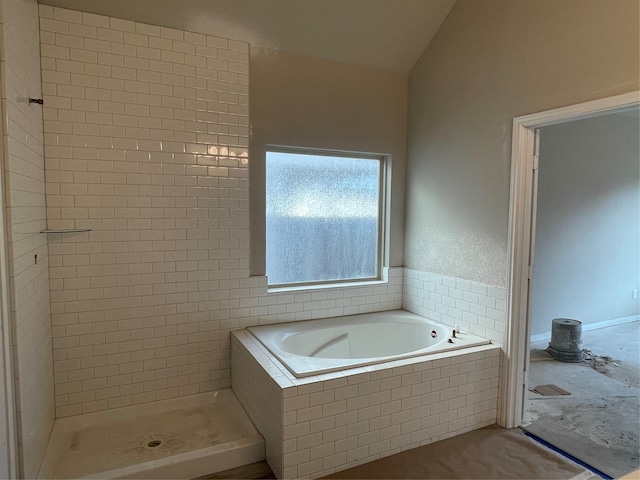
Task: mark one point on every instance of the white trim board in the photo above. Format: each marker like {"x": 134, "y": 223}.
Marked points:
{"x": 592, "y": 326}
{"x": 9, "y": 450}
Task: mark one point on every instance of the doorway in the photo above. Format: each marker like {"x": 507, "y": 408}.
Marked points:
{"x": 521, "y": 242}
{"x": 586, "y": 244}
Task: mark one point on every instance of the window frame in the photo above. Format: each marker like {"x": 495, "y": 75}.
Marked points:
{"x": 384, "y": 187}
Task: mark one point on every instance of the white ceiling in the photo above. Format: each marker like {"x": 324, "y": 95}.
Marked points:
{"x": 387, "y": 34}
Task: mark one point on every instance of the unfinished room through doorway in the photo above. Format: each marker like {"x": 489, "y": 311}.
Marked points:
{"x": 586, "y": 269}
{"x": 521, "y": 241}
{"x": 521, "y": 226}
{"x": 524, "y": 170}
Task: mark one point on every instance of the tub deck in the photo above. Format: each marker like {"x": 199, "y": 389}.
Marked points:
{"x": 326, "y": 423}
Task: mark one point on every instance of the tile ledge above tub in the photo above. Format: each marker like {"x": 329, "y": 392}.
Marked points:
{"x": 324, "y": 286}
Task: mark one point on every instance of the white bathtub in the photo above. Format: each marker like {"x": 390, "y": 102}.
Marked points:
{"x": 327, "y": 345}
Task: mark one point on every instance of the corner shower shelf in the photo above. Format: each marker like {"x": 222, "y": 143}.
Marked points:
{"x": 67, "y": 230}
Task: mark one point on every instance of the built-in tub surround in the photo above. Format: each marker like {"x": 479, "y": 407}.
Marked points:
{"x": 477, "y": 307}
{"x": 328, "y": 345}
{"x": 326, "y": 423}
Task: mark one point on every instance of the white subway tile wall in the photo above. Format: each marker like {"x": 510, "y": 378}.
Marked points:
{"x": 324, "y": 424}
{"x": 146, "y": 133}
{"x": 24, "y": 172}
{"x": 476, "y": 307}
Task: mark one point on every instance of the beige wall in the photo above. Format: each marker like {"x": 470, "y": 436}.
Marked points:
{"x": 308, "y": 102}
{"x": 489, "y": 62}
{"x": 26, "y": 217}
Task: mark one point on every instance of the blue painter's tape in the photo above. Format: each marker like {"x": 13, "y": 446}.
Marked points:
{"x": 569, "y": 456}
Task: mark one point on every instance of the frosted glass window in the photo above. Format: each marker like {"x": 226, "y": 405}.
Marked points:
{"x": 323, "y": 218}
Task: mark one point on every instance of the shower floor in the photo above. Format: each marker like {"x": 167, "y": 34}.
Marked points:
{"x": 178, "y": 438}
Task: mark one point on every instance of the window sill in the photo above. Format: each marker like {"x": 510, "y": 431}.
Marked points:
{"x": 326, "y": 286}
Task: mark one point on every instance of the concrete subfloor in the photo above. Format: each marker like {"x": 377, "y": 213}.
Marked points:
{"x": 599, "y": 423}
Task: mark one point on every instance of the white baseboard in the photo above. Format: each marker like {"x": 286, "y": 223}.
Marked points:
{"x": 591, "y": 326}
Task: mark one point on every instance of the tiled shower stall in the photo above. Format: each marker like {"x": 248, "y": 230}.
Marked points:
{"x": 146, "y": 132}
{"x": 145, "y": 146}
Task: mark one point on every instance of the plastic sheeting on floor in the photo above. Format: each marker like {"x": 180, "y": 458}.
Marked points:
{"x": 488, "y": 453}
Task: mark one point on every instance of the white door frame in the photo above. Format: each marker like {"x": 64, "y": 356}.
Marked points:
{"x": 520, "y": 244}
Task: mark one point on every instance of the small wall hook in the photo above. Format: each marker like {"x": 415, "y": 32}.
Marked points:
{"x": 39, "y": 101}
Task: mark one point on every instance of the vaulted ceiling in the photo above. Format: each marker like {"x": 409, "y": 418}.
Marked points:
{"x": 386, "y": 34}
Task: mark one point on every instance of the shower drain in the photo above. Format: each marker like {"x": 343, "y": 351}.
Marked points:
{"x": 153, "y": 443}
